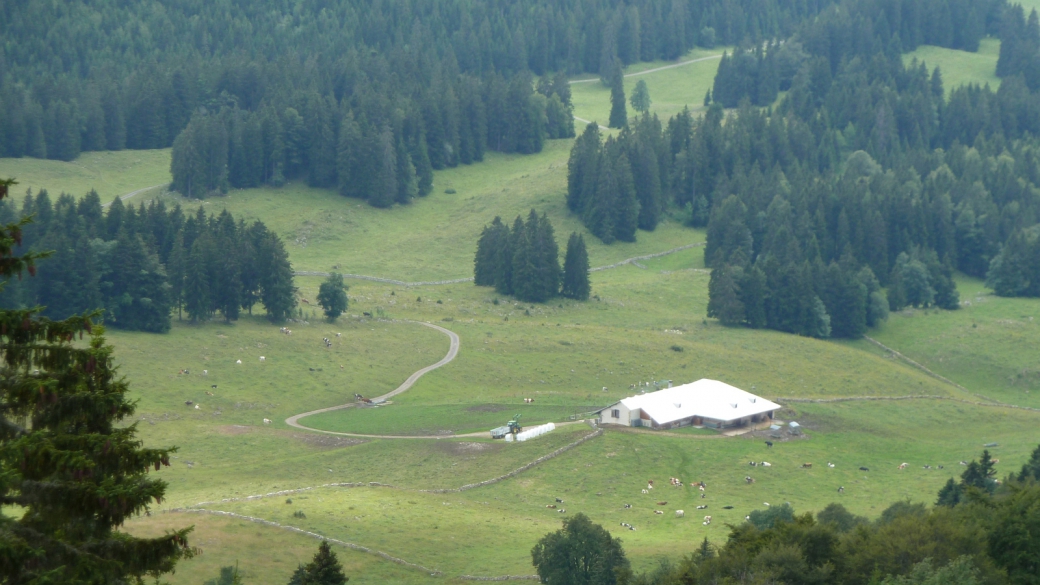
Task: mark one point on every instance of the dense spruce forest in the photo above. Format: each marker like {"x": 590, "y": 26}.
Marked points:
{"x": 142, "y": 264}
{"x": 866, "y": 174}
{"x": 364, "y": 97}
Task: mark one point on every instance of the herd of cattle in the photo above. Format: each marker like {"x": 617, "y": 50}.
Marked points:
{"x": 678, "y": 483}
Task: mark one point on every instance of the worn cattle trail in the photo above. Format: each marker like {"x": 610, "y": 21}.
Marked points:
{"x": 654, "y": 70}
{"x": 132, "y": 193}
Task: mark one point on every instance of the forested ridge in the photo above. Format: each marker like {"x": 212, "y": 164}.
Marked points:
{"x": 139, "y": 265}
{"x": 271, "y": 91}
{"x": 867, "y": 174}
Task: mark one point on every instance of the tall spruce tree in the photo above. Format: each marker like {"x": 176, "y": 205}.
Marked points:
{"x": 278, "y": 294}
{"x": 576, "y": 269}
{"x": 618, "y": 113}
{"x": 485, "y": 264}
{"x": 71, "y": 472}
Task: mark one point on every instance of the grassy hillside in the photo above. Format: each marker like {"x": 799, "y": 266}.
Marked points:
{"x": 961, "y": 67}
{"x": 645, "y": 322}
{"x": 110, "y": 173}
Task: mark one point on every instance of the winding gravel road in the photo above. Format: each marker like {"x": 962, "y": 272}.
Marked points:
{"x": 453, "y": 350}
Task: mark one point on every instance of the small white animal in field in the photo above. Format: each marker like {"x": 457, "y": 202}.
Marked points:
{"x": 768, "y": 464}
{"x": 766, "y": 504}
{"x": 197, "y": 407}
{"x": 658, "y": 512}
{"x": 263, "y": 359}
{"x": 205, "y": 372}
{"x": 646, "y": 491}
{"x": 267, "y": 421}
{"x": 829, "y": 464}
{"x": 239, "y": 362}
{"x": 680, "y": 514}
{"x": 338, "y": 334}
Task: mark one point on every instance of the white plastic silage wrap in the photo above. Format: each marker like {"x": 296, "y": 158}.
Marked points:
{"x": 535, "y": 432}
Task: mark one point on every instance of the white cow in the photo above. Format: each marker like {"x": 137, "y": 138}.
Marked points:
{"x": 267, "y": 421}
{"x": 263, "y": 359}
{"x": 679, "y": 513}
{"x": 239, "y": 362}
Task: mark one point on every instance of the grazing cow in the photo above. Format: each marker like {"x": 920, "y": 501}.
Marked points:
{"x": 646, "y": 491}
{"x": 662, "y": 503}
{"x": 806, "y": 465}
{"x": 239, "y": 362}
{"x": 841, "y": 489}
{"x": 727, "y": 507}
{"x": 701, "y": 487}
{"x": 995, "y": 461}
{"x": 769, "y": 443}
{"x": 707, "y": 518}
{"x": 338, "y": 334}
{"x": 305, "y": 301}
{"x": 864, "y": 469}
{"x": 680, "y": 514}
{"x": 927, "y": 467}
{"x": 650, "y": 486}
{"x": 214, "y": 386}
{"x": 561, "y": 511}
{"x": 188, "y": 403}
{"x": 750, "y": 480}
{"x": 559, "y": 501}
{"x": 902, "y": 465}
{"x": 208, "y": 393}
{"x": 205, "y": 372}
{"x": 766, "y": 504}
{"x": 267, "y": 421}
{"x": 552, "y": 506}
{"x": 627, "y": 506}
{"x": 752, "y": 463}
{"x": 766, "y": 464}
{"x": 829, "y": 464}
{"x": 658, "y": 512}
{"x": 704, "y": 496}
{"x": 940, "y": 467}
{"x": 263, "y": 359}
{"x": 702, "y": 507}
{"x": 196, "y": 407}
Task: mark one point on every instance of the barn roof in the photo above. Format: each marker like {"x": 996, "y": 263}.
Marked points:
{"x": 705, "y": 398}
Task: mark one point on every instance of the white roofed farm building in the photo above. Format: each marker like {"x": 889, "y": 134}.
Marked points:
{"x": 708, "y": 403}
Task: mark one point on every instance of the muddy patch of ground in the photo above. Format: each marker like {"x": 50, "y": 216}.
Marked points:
{"x": 234, "y": 429}
{"x": 467, "y": 447}
{"x": 488, "y": 408}
{"x": 326, "y": 441}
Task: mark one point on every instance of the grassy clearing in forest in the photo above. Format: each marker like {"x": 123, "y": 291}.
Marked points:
{"x": 110, "y": 173}
{"x": 961, "y": 67}
{"x": 670, "y": 89}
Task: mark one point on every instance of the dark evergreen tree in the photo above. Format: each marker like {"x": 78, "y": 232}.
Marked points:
{"x": 60, "y": 525}
{"x": 324, "y": 569}
{"x": 485, "y": 265}
{"x": 618, "y": 113}
{"x": 576, "y": 269}
{"x": 278, "y": 294}
{"x": 724, "y": 296}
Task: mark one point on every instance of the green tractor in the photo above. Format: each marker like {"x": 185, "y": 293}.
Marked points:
{"x": 510, "y": 428}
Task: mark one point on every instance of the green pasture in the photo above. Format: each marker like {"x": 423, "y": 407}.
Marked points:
{"x": 989, "y": 345}
{"x": 961, "y": 67}
{"x": 671, "y": 89}
{"x": 266, "y": 555}
{"x": 110, "y": 173}
{"x": 489, "y": 530}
